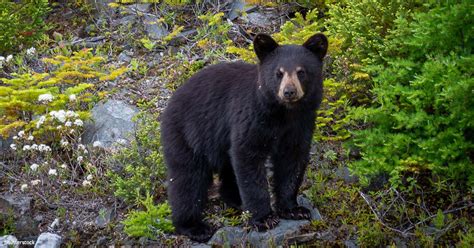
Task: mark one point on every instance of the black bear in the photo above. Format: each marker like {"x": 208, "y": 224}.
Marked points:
{"x": 228, "y": 119}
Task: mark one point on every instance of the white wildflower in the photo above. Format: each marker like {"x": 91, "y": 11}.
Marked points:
{"x": 59, "y": 115}
{"x": 30, "y": 51}
{"x": 26, "y": 147}
{"x": 78, "y": 122}
{"x": 64, "y": 143}
{"x": 53, "y": 172}
{"x": 45, "y": 97}
{"x": 24, "y": 187}
{"x": 35, "y": 182}
{"x": 59, "y": 127}
{"x": 97, "y": 144}
{"x": 40, "y": 121}
{"x": 44, "y": 148}
{"x": 2, "y": 58}
{"x": 89, "y": 177}
{"x": 86, "y": 183}
{"x": 34, "y": 167}
{"x": 15, "y": 137}
{"x": 72, "y": 131}
{"x": 81, "y": 146}
{"x": 34, "y": 147}
{"x": 72, "y": 97}
{"x": 9, "y": 57}
{"x": 13, "y": 147}
{"x": 68, "y": 124}
{"x": 64, "y": 166}
{"x": 70, "y": 113}
{"x": 79, "y": 159}
{"x": 30, "y": 137}
{"x": 21, "y": 133}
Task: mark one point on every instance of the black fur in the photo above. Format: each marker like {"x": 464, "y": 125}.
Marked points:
{"x": 228, "y": 119}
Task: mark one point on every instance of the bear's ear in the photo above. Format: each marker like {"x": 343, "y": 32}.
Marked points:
{"x": 318, "y": 44}
{"x": 263, "y": 44}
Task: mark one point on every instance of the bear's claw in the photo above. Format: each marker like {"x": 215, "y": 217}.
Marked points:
{"x": 268, "y": 222}
{"x": 297, "y": 213}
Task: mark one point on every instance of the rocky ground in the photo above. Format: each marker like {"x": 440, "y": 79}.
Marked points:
{"x": 94, "y": 217}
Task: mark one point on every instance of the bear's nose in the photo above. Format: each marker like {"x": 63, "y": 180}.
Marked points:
{"x": 289, "y": 92}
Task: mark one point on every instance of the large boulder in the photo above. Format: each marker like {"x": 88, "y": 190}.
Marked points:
{"x": 9, "y": 241}
{"x": 48, "y": 240}
{"x": 111, "y": 123}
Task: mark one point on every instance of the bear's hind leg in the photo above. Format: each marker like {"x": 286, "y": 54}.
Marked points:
{"x": 228, "y": 189}
{"x": 189, "y": 179}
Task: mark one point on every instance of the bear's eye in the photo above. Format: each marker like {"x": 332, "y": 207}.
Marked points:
{"x": 279, "y": 74}
{"x": 301, "y": 73}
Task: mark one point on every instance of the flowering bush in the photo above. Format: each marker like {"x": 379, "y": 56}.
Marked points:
{"x": 71, "y": 83}
{"x": 44, "y": 113}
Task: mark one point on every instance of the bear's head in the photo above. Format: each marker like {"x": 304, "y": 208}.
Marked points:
{"x": 291, "y": 75}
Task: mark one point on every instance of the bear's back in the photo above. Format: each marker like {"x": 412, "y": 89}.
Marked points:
{"x": 200, "y": 109}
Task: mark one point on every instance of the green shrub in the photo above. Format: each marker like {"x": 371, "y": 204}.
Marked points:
{"x": 422, "y": 119}
{"x": 142, "y": 166}
{"x": 360, "y": 28}
{"x": 21, "y": 23}
{"x": 151, "y": 222}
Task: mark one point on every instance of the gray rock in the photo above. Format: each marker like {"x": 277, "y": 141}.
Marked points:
{"x": 154, "y": 29}
{"x": 275, "y": 237}
{"x": 238, "y": 7}
{"x": 125, "y": 56}
{"x": 19, "y": 204}
{"x": 305, "y": 202}
{"x": 48, "y": 240}
{"x": 343, "y": 173}
{"x": 89, "y": 42}
{"x": 351, "y": 243}
{"x": 125, "y": 21}
{"x": 112, "y": 123}
{"x": 138, "y": 8}
{"x": 258, "y": 19}
{"x": 9, "y": 241}
{"x": 101, "y": 241}
{"x": 5, "y": 143}
{"x": 200, "y": 245}
{"x": 104, "y": 217}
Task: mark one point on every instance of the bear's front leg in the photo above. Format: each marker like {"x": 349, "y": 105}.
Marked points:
{"x": 249, "y": 167}
{"x": 290, "y": 159}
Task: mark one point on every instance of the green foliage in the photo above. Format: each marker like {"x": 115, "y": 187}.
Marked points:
{"x": 7, "y": 222}
{"x": 295, "y": 31}
{"x": 21, "y": 23}
{"x": 333, "y": 120}
{"x": 423, "y": 87}
{"x": 213, "y": 31}
{"x": 69, "y": 83}
{"x": 151, "y": 222}
{"x": 371, "y": 234}
{"x": 467, "y": 239}
{"x": 359, "y": 27}
{"x": 142, "y": 166}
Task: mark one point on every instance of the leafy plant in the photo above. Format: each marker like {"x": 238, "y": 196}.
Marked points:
{"x": 151, "y": 222}
{"x": 69, "y": 83}
{"x": 21, "y": 23}
{"x": 420, "y": 122}
{"x": 142, "y": 169}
